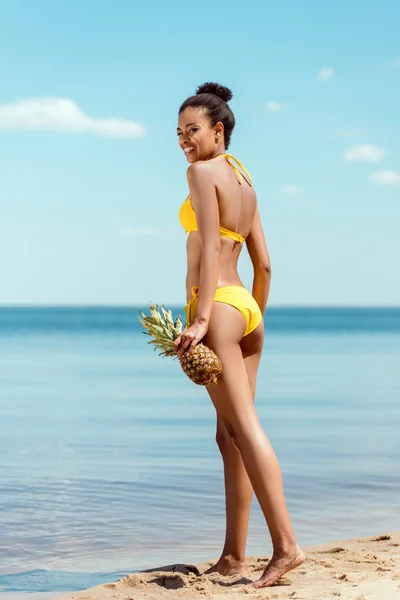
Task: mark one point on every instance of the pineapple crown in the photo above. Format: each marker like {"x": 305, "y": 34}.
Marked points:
{"x": 162, "y": 327}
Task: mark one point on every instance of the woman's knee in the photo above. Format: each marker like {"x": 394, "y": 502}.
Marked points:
{"x": 244, "y": 429}
{"x": 225, "y": 440}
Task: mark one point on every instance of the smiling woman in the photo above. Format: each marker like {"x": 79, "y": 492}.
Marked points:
{"x": 218, "y": 110}
{"x": 220, "y": 215}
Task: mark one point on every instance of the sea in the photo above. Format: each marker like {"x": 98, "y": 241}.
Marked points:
{"x": 108, "y": 460}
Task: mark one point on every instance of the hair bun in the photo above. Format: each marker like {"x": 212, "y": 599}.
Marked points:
{"x": 214, "y": 88}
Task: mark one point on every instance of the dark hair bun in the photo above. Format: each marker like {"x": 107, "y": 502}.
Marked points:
{"x": 214, "y": 88}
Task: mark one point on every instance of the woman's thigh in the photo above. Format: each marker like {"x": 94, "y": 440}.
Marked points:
{"x": 251, "y": 346}
{"x": 232, "y": 395}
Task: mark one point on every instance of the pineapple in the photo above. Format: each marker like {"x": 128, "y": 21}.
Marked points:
{"x": 201, "y": 364}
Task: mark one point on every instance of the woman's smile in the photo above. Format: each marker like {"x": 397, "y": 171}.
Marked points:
{"x": 188, "y": 150}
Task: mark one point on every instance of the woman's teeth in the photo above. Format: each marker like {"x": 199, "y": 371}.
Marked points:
{"x": 188, "y": 150}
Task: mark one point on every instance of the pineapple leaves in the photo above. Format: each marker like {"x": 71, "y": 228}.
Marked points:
{"x": 161, "y": 326}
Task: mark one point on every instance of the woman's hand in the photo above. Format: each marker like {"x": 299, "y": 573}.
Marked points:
{"x": 190, "y": 337}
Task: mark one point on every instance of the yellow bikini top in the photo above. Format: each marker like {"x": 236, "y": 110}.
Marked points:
{"x": 187, "y": 215}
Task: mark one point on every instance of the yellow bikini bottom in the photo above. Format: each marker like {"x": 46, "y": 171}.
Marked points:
{"x": 235, "y": 295}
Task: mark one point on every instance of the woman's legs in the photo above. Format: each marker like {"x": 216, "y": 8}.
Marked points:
{"x": 232, "y": 398}
{"x": 238, "y": 488}
{"x": 238, "y": 495}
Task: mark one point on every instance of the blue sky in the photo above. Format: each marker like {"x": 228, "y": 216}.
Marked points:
{"x": 91, "y": 176}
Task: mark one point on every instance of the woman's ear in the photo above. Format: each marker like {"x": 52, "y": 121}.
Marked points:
{"x": 218, "y": 131}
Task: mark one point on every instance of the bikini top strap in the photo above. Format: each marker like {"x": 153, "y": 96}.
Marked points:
{"x": 238, "y": 173}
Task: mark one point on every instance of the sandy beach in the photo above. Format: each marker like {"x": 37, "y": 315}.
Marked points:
{"x": 356, "y": 569}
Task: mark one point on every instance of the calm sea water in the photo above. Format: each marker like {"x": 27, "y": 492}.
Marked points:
{"x": 108, "y": 462}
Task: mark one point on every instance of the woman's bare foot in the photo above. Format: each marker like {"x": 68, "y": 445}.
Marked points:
{"x": 228, "y": 565}
{"x": 278, "y": 566}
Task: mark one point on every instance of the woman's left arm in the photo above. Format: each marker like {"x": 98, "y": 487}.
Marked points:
{"x": 203, "y": 197}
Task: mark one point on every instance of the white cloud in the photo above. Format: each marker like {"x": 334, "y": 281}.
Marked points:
{"x": 273, "y": 106}
{"x": 396, "y": 62}
{"x": 290, "y": 189}
{"x": 365, "y": 153}
{"x": 62, "y": 114}
{"x": 325, "y": 74}
{"x": 129, "y": 231}
{"x": 386, "y": 177}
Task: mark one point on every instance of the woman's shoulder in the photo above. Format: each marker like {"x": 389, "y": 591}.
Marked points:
{"x": 201, "y": 169}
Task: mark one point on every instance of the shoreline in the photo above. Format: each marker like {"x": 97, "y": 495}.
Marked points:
{"x": 365, "y": 568}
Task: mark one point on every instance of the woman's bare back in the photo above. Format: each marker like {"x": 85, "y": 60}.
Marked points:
{"x": 237, "y": 205}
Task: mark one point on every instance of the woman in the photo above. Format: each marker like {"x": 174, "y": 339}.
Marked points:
{"x": 219, "y": 215}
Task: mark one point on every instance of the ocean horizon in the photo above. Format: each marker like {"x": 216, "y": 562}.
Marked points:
{"x": 108, "y": 459}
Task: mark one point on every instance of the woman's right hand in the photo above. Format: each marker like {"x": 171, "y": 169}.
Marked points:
{"x": 190, "y": 337}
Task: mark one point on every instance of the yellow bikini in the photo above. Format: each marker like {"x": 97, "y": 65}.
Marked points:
{"x": 235, "y": 295}
{"x": 187, "y": 216}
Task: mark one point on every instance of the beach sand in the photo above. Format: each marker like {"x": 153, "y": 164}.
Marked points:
{"x": 356, "y": 569}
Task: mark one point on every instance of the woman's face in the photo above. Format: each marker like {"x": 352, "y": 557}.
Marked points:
{"x": 198, "y": 139}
